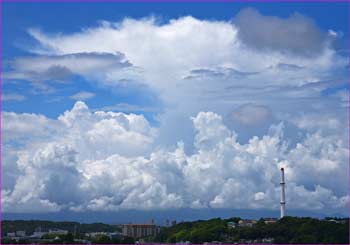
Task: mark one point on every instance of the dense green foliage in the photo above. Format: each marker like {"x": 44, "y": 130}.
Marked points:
{"x": 196, "y": 232}
{"x": 307, "y": 230}
{"x": 286, "y": 230}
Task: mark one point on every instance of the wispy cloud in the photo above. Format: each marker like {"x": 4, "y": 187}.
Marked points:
{"x": 13, "y": 97}
{"x": 82, "y": 95}
{"x": 43, "y": 71}
{"x": 125, "y": 107}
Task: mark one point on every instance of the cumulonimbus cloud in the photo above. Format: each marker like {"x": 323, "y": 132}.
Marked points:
{"x": 106, "y": 162}
{"x": 200, "y": 70}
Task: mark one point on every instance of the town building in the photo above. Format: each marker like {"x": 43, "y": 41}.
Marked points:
{"x": 38, "y": 234}
{"x": 231, "y": 224}
{"x": 140, "y": 230}
{"x": 11, "y": 234}
{"x": 270, "y": 220}
{"x": 111, "y": 235}
{"x": 20, "y": 233}
{"x": 58, "y": 232}
{"x": 246, "y": 223}
{"x": 96, "y": 234}
{"x": 267, "y": 240}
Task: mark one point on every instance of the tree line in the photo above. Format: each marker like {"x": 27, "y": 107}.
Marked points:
{"x": 286, "y": 230}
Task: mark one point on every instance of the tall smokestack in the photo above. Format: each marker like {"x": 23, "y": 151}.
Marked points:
{"x": 283, "y": 197}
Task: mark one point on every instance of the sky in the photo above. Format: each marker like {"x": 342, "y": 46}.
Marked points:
{"x": 112, "y": 107}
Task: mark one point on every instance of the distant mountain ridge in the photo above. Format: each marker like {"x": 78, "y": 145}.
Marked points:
{"x": 159, "y": 216}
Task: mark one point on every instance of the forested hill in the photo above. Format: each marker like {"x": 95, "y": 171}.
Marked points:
{"x": 286, "y": 230}
{"x": 31, "y": 225}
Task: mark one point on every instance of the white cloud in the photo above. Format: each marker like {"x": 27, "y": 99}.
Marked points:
{"x": 197, "y": 65}
{"x": 13, "y": 97}
{"x": 109, "y": 163}
{"x": 51, "y": 159}
{"x": 252, "y": 114}
{"x": 259, "y": 196}
{"x": 25, "y": 126}
{"x": 45, "y": 69}
{"x": 59, "y": 66}
{"x": 200, "y": 69}
{"x": 125, "y": 107}
{"x": 82, "y": 95}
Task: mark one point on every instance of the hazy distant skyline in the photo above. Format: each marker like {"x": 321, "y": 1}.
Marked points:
{"x": 116, "y": 106}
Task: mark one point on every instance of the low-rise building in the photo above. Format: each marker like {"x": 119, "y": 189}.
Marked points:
{"x": 270, "y": 220}
{"x": 38, "y": 234}
{"x": 182, "y": 242}
{"x": 58, "y": 232}
{"x": 140, "y": 230}
{"x": 338, "y": 221}
{"x": 96, "y": 234}
{"x": 11, "y": 234}
{"x": 20, "y": 233}
{"x": 231, "y": 224}
{"x": 115, "y": 235}
{"x": 111, "y": 235}
{"x": 246, "y": 223}
{"x": 267, "y": 240}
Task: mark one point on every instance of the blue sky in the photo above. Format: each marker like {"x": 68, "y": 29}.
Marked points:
{"x": 163, "y": 106}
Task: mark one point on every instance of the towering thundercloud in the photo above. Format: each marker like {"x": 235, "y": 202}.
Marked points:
{"x": 283, "y": 198}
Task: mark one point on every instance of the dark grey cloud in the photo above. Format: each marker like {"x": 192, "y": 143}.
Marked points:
{"x": 289, "y": 67}
{"x": 60, "y": 68}
{"x": 220, "y": 73}
{"x": 54, "y": 72}
{"x": 297, "y": 33}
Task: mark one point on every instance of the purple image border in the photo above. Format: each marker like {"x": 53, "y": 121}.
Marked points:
{"x": 174, "y": 1}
